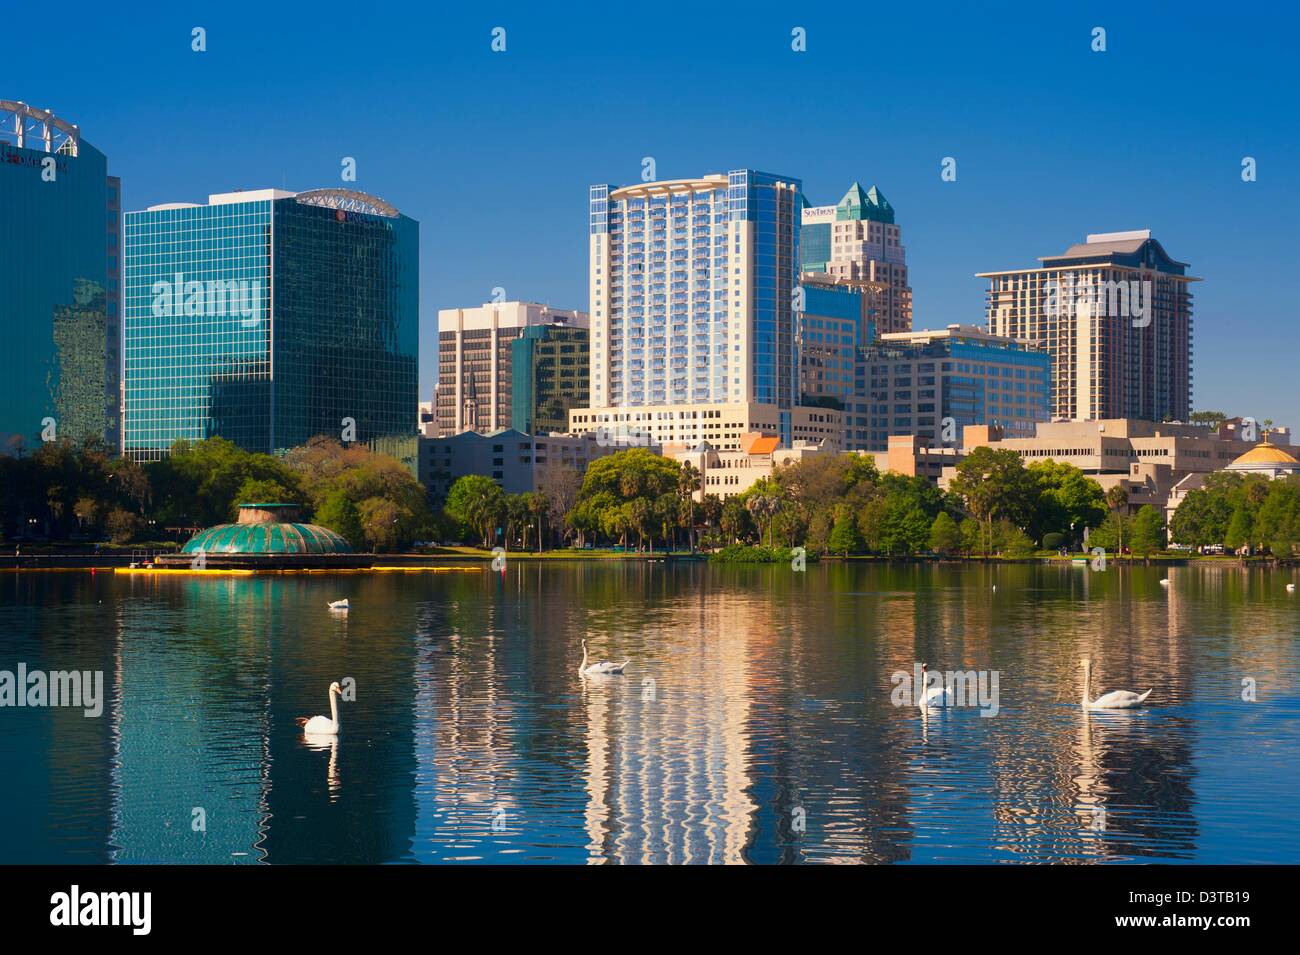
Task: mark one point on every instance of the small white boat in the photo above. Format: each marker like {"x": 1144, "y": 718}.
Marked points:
{"x": 340, "y": 604}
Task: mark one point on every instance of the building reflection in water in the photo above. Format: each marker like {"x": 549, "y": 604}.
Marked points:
{"x": 755, "y": 723}
{"x": 211, "y": 672}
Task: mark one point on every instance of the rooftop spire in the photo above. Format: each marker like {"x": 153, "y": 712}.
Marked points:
{"x": 870, "y": 204}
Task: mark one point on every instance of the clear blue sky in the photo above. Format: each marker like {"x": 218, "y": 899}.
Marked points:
{"x": 492, "y": 152}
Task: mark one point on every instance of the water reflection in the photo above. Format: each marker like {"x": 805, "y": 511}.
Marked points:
{"x": 754, "y": 723}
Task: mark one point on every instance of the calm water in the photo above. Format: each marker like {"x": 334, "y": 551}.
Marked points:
{"x": 767, "y": 733}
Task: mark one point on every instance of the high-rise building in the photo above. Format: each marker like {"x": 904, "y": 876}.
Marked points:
{"x": 932, "y": 384}
{"x": 1115, "y": 313}
{"x": 692, "y": 311}
{"x": 476, "y": 361}
{"x": 835, "y": 321}
{"x": 60, "y": 237}
{"x": 269, "y": 317}
{"x": 857, "y": 239}
{"x": 550, "y": 375}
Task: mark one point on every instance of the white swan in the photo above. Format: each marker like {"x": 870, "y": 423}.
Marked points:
{"x": 1290, "y": 588}
{"x": 1164, "y": 582}
{"x": 599, "y": 669}
{"x": 934, "y": 695}
{"x": 340, "y": 604}
{"x": 320, "y": 725}
{"x": 1115, "y": 700}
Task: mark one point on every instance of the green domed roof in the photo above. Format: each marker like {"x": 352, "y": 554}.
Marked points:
{"x": 267, "y": 539}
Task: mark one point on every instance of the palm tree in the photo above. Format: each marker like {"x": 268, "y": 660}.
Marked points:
{"x": 763, "y": 506}
{"x": 688, "y": 482}
{"x": 537, "y": 505}
{"x": 1117, "y": 500}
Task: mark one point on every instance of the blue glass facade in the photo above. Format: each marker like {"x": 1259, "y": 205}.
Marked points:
{"x": 267, "y": 322}
{"x": 831, "y": 327}
{"x": 774, "y": 209}
{"x": 913, "y": 386}
{"x": 59, "y": 232}
{"x": 815, "y": 246}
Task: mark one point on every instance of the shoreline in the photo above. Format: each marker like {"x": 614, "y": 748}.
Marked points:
{"x": 474, "y": 560}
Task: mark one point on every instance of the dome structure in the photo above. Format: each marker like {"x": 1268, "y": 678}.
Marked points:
{"x": 1266, "y": 458}
{"x": 271, "y": 537}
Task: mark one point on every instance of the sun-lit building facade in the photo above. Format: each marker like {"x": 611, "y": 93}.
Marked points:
{"x": 692, "y": 302}
{"x": 934, "y": 383}
{"x": 269, "y": 317}
{"x": 858, "y": 240}
{"x": 60, "y": 233}
{"x": 1115, "y": 313}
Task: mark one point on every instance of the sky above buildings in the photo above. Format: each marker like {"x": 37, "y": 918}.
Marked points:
{"x": 493, "y": 151}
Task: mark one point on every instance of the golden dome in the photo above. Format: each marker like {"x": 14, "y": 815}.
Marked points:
{"x": 1265, "y": 454}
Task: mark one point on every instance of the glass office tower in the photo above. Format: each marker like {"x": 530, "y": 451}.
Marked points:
{"x": 550, "y": 374}
{"x": 270, "y": 317}
{"x": 59, "y": 238}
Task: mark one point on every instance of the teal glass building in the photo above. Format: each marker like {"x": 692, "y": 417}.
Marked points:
{"x": 270, "y": 317}
{"x": 59, "y": 243}
{"x": 550, "y": 373}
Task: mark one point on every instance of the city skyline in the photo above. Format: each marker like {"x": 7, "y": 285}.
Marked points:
{"x": 1068, "y": 169}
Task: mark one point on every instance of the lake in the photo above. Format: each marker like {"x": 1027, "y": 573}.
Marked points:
{"x": 756, "y": 722}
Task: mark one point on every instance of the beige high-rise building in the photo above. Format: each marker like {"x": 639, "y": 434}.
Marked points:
{"x": 693, "y": 313}
{"x": 857, "y": 240}
{"x": 475, "y": 362}
{"x": 1115, "y": 313}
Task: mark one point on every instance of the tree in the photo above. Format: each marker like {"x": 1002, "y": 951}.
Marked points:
{"x": 1114, "y": 530}
{"x": 477, "y": 502}
{"x": 379, "y": 518}
{"x": 1148, "y": 532}
{"x": 1277, "y": 523}
{"x": 905, "y": 527}
{"x": 536, "y": 507}
{"x": 1011, "y": 541}
{"x": 562, "y": 495}
{"x": 734, "y": 520}
{"x": 1239, "y": 527}
{"x": 86, "y": 510}
{"x": 763, "y": 500}
{"x": 587, "y": 517}
{"x": 199, "y": 484}
{"x": 123, "y": 526}
{"x": 844, "y": 536}
{"x": 994, "y": 485}
{"x": 1068, "y": 499}
{"x": 340, "y": 515}
{"x": 264, "y": 491}
{"x": 945, "y": 536}
{"x": 1202, "y": 517}
{"x": 1117, "y": 501}
{"x": 1211, "y": 418}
